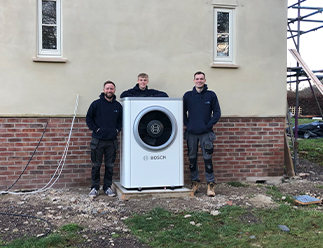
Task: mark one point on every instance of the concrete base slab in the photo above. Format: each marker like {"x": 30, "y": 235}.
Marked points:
{"x": 265, "y": 180}
{"x": 128, "y": 194}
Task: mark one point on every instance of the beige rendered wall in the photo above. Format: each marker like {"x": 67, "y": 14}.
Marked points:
{"x": 117, "y": 39}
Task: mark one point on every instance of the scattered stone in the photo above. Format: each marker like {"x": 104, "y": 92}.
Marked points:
{"x": 192, "y": 223}
{"x": 215, "y": 212}
{"x": 262, "y": 201}
{"x": 252, "y": 237}
{"x": 187, "y": 216}
{"x": 284, "y": 228}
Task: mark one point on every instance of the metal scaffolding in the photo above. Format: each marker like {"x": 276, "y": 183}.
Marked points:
{"x": 298, "y": 73}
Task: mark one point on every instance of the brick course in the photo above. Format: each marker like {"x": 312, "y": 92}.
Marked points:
{"x": 244, "y": 147}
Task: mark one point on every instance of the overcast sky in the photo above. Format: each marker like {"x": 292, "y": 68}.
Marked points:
{"x": 311, "y": 44}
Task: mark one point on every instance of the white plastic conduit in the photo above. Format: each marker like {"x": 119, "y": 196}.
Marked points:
{"x": 60, "y": 165}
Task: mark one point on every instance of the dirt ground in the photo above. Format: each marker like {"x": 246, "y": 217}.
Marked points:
{"x": 102, "y": 218}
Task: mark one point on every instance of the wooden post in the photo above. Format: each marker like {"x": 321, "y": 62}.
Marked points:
{"x": 288, "y": 158}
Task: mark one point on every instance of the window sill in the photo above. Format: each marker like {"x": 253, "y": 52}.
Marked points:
{"x": 229, "y": 66}
{"x": 225, "y": 3}
{"x": 50, "y": 60}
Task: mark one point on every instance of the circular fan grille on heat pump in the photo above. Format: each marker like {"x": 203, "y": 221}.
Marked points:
{"x": 155, "y": 128}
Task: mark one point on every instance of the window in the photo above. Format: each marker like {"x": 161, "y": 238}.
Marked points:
{"x": 223, "y": 35}
{"x": 49, "y": 28}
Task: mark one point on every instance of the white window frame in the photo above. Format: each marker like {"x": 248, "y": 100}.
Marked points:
{"x": 224, "y": 59}
{"x": 49, "y": 53}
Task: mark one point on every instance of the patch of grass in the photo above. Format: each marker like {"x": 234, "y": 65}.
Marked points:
{"x": 161, "y": 228}
{"x": 310, "y": 149}
{"x": 237, "y": 184}
{"x": 274, "y": 192}
{"x": 319, "y": 186}
{"x": 72, "y": 227}
{"x": 67, "y": 237}
{"x": 115, "y": 235}
{"x": 53, "y": 240}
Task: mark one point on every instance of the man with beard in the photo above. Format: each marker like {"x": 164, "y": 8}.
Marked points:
{"x": 104, "y": 119}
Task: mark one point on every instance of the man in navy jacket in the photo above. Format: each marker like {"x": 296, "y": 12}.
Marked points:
{"x": 141, "y": 89}
{"x": 201, "y": 112}
{"x": 104, "y": 118}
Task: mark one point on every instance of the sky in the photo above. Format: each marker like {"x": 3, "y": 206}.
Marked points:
{"x": 311, "y": 44}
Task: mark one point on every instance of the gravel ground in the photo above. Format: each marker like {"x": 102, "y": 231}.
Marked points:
{"x": 102, "y": 218}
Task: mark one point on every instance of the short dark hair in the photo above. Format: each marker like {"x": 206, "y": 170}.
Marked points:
{"x": 198, "y": 73}
{"x": 109, "y": 82}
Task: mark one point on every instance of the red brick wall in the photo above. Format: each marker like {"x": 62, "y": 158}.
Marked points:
{"x": 244, "y": 147}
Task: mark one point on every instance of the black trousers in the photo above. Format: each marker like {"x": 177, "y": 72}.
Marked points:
{"x": 100, "y": 148}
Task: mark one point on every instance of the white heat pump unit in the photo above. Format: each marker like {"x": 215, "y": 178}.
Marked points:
{"x": 152, "y": 142}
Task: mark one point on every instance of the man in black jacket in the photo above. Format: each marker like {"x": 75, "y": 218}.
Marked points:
{"x": 104, "y": 118}
{"x": 201, "y": 112}
{"x": 141, "y": 89}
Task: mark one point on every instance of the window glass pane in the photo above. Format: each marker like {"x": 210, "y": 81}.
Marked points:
{"x": 49, "y": 12}
{"x": 223, "y": 22}
{"x": 223, "y": 45}
{"x": 49, "y": 37}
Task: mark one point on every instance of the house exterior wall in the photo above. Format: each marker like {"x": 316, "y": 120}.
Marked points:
{"x": 245, "y": 147}
{"x": 116, "y": 40}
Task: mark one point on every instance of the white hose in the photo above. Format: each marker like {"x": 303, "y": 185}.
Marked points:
{"x": 60, "y": 165}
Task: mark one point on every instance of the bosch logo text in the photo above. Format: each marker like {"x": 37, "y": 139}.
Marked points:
{"x": 159, "y": 157}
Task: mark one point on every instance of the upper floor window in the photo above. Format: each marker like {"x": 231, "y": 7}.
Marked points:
{"x": 49, "y": 28}
{"x": 223, "y": 35}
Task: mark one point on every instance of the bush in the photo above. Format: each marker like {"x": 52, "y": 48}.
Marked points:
{"x": 306, "y": 100}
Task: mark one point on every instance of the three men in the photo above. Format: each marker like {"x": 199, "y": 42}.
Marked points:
{"x": 141, "y": 89}
{"x": 201, "y": 112}
{"x": 104, "y": 118}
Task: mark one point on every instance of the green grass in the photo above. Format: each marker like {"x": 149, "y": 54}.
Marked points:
{"x": 237, "y": 184}
{"x": 233, "y": 227}
{"x": 310, "y": 149}
{"x": 71, "y": 227}
{"x": 66, "y": 237}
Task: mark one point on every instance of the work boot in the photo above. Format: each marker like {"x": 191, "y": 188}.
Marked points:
{"x": 210, "y": 189}
{"x": 195, "y": 186}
